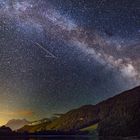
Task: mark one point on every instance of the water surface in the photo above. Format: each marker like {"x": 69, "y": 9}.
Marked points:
{"x": 63, "y": 138}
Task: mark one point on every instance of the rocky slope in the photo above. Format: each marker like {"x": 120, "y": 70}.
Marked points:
{"x": 121, "y": 115}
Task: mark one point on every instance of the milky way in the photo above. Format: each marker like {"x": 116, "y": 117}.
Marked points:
{"x": 56, "y": 55}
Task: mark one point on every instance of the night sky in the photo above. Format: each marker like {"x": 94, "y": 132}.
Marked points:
{"x": 56, "y": 55}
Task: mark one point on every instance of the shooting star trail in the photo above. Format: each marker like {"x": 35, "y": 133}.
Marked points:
{"x": 45, "y": 50}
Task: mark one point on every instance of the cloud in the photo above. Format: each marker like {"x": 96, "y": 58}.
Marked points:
{"x": 17, "y": 113}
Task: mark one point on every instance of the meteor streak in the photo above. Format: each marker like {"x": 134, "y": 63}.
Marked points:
{"x": 45, "y": 50}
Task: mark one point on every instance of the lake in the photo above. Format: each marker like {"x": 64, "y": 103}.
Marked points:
{"x": 61, "y": 138}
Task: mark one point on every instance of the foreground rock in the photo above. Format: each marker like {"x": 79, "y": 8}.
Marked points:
{"x": 5, "y": 131}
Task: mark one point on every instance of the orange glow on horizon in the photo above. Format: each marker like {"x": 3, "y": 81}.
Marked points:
{"x": 25, "y": 113}
{"x": 2, "y": 121}
{"x": 5, "y": 116}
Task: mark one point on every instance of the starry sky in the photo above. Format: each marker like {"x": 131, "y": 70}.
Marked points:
{"x": 56, "y": 55}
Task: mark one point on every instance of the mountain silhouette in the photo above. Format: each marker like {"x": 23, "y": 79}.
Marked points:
{"x": 16, "y": 124}
{"x": 116, "y": 116}
{"x": 5, "y": 131}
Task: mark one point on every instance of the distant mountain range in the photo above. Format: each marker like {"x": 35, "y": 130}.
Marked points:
{"x": 16, "y": 124}
{"x": 117, "y": 116}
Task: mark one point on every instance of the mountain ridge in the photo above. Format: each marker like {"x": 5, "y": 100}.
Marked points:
{"x": 16, "y": 124}
{"x": 117, "y": 112}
